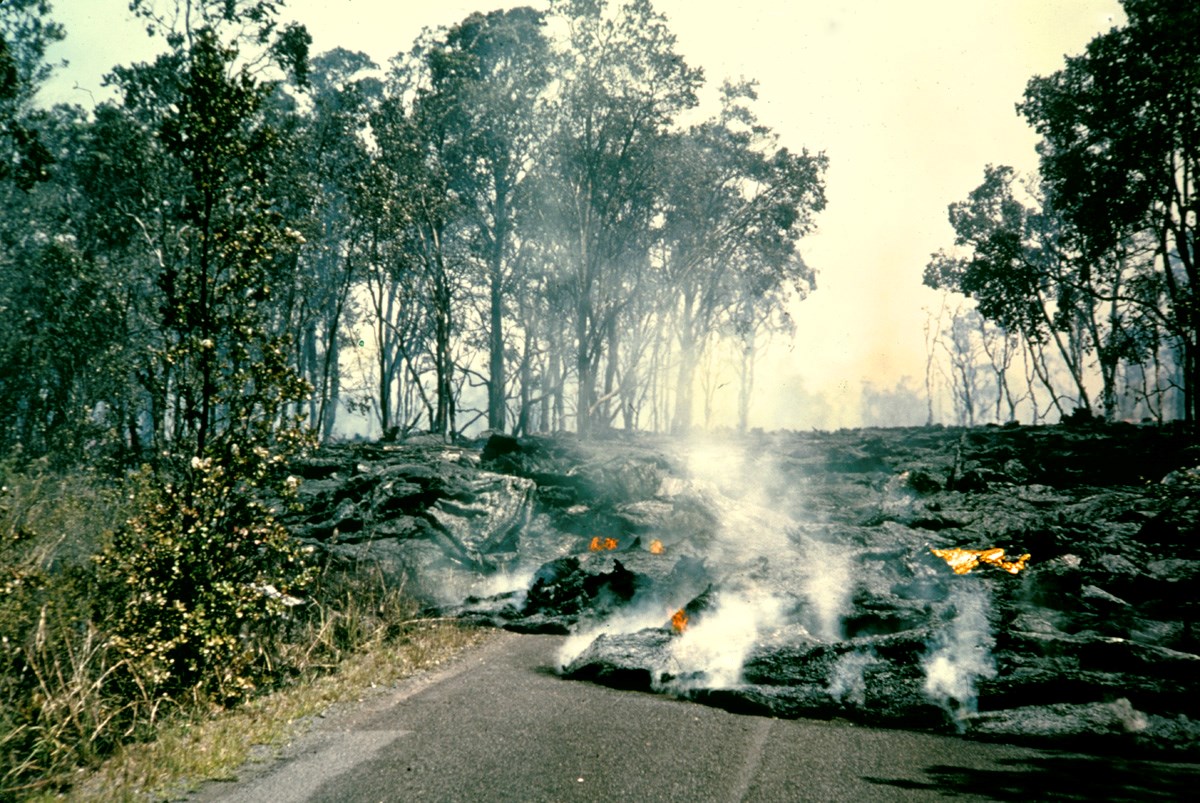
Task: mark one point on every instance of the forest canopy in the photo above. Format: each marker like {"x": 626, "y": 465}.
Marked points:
{"x": 1087, "y": 272}
{"x": 526, "y": 221}
{"x": 522, "y": 222}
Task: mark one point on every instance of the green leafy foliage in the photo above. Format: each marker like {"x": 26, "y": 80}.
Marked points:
{"x": 57, "y": 346}
{"x": 1009, "y": 266}
{"x": 1119, "y": 157}
{"x": 734, "y": 207}
{"x": 202, "y": 575}
{"x": 25, "y": 32}
{"x": 202, "y": 579}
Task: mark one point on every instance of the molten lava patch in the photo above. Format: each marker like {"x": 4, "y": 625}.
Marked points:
{"x": 656, "y": 547}
{"x": 964, "y": 560}
{"x": 599, "y": 544}
{"x": 679, "y": 620}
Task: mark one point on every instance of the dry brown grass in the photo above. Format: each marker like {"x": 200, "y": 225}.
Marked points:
{"x": 56, "y": 709}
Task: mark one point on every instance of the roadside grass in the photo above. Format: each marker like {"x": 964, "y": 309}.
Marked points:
{"x": 192, "y": 750}
{"x": 55, "y": 708}
{"x": 78, "y": 720}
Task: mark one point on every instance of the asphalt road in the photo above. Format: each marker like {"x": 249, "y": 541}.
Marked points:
{"x": 499, "y": 725}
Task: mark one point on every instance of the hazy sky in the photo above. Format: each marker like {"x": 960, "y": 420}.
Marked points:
{"x": 910, "y": 100}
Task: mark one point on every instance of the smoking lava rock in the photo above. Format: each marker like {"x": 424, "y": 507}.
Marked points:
{"x": 796, "y": 574}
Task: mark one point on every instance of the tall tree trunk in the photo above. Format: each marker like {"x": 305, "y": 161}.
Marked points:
{"x": 681, "y": 423}
{"x": 613, "y": 339}
{"x": 333, "y": 381}
{"x": 382, "y": 339}
{"x": 525, "y": 374}
{"x": 497, "y": 401}
{"x": 308, "y": 369}
{"x": 443, "y": 360}
{"x": 746, "y": 383}
{"x": 556, "y": 410}
{"x": 496, "y": 394}
{"x": 585, "y": 376}
{"x": 207, "y": 380}
{"x": 331, "y": 371}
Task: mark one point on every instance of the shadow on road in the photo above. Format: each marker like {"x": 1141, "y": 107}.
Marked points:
{"x": 1067, "y": 777}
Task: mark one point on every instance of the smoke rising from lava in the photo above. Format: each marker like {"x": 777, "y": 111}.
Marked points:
{"x": 776, "y": 573}
{"x": 711, "y": 653}
{"x": 847, "y": 678}
{"x": 961, "y": 654}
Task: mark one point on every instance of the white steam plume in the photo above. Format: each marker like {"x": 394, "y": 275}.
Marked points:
{"x": 711, "y": 652}
{"x": 502, "y": 582}
{"x": 760, "y": 558}
{"x": 847, "y": 677}
{"x": 828, "y": 586}
{"x": 961, "y": 654}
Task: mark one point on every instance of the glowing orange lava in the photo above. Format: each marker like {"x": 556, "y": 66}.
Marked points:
{"x": 599, "y": 544}
{"x": 964, "y": 560}
{"x": 679, "y": 620}
{"x": 656, "y": 547}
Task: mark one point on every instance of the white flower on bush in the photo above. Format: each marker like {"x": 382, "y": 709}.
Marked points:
{"x": 271, "y": 592}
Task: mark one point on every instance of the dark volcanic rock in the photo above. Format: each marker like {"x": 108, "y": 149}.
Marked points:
{"x": 415, "y": 510}
{"x": 563, "y": 587}
{"x": 793, "y": 574}
{"x": 1104, "y": 726}
{"x": 627, "y": 660}
{"x": 568, "y": 471}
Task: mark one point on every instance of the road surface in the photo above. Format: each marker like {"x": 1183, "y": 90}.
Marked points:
{"x": 499, "y": 725}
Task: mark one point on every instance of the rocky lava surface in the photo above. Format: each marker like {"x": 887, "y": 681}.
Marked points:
{"x": 793, "y": 574}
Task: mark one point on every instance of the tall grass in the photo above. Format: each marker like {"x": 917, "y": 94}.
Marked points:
{"x": 70, "y": 696}
{"x": 56, "y": 708}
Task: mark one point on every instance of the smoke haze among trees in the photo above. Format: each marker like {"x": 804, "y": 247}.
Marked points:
{"x": 509, "y": 225}
{"x": 525, "y": 222}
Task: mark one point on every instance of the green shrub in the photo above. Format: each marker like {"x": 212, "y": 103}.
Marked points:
{"x": 124, "y": 606}
{"x": 202, "y": 579}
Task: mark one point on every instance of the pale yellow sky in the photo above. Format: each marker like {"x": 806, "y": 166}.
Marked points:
{"x": 910, "y": 100}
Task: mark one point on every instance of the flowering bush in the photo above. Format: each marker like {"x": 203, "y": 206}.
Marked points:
{"x": 203, "y": 577}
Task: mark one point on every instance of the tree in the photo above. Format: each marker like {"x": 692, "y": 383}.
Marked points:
{"x": 214, "y": 296}
{"x": 26, "y": 30}
{"x": 759, "y": 316}
{"x": 964, "y": 357}
{"x": 486, "y": 76}
{"x": 1120, "y": 156}
{"x": 734, "y": 209}
{"x": 124, "y": 218}
{"x": 56, "y": 349}
{"x": 423, "y": 215}
{"x": 622, "y": 84}
{"x": 1000, "y": 346}
{"x": 1022, "y": 272}
{"x": 400, "y": 309}
{"x": 63, "y": 338}
{"x": 203, "y": 546}
{"x": 326, "y": 169}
